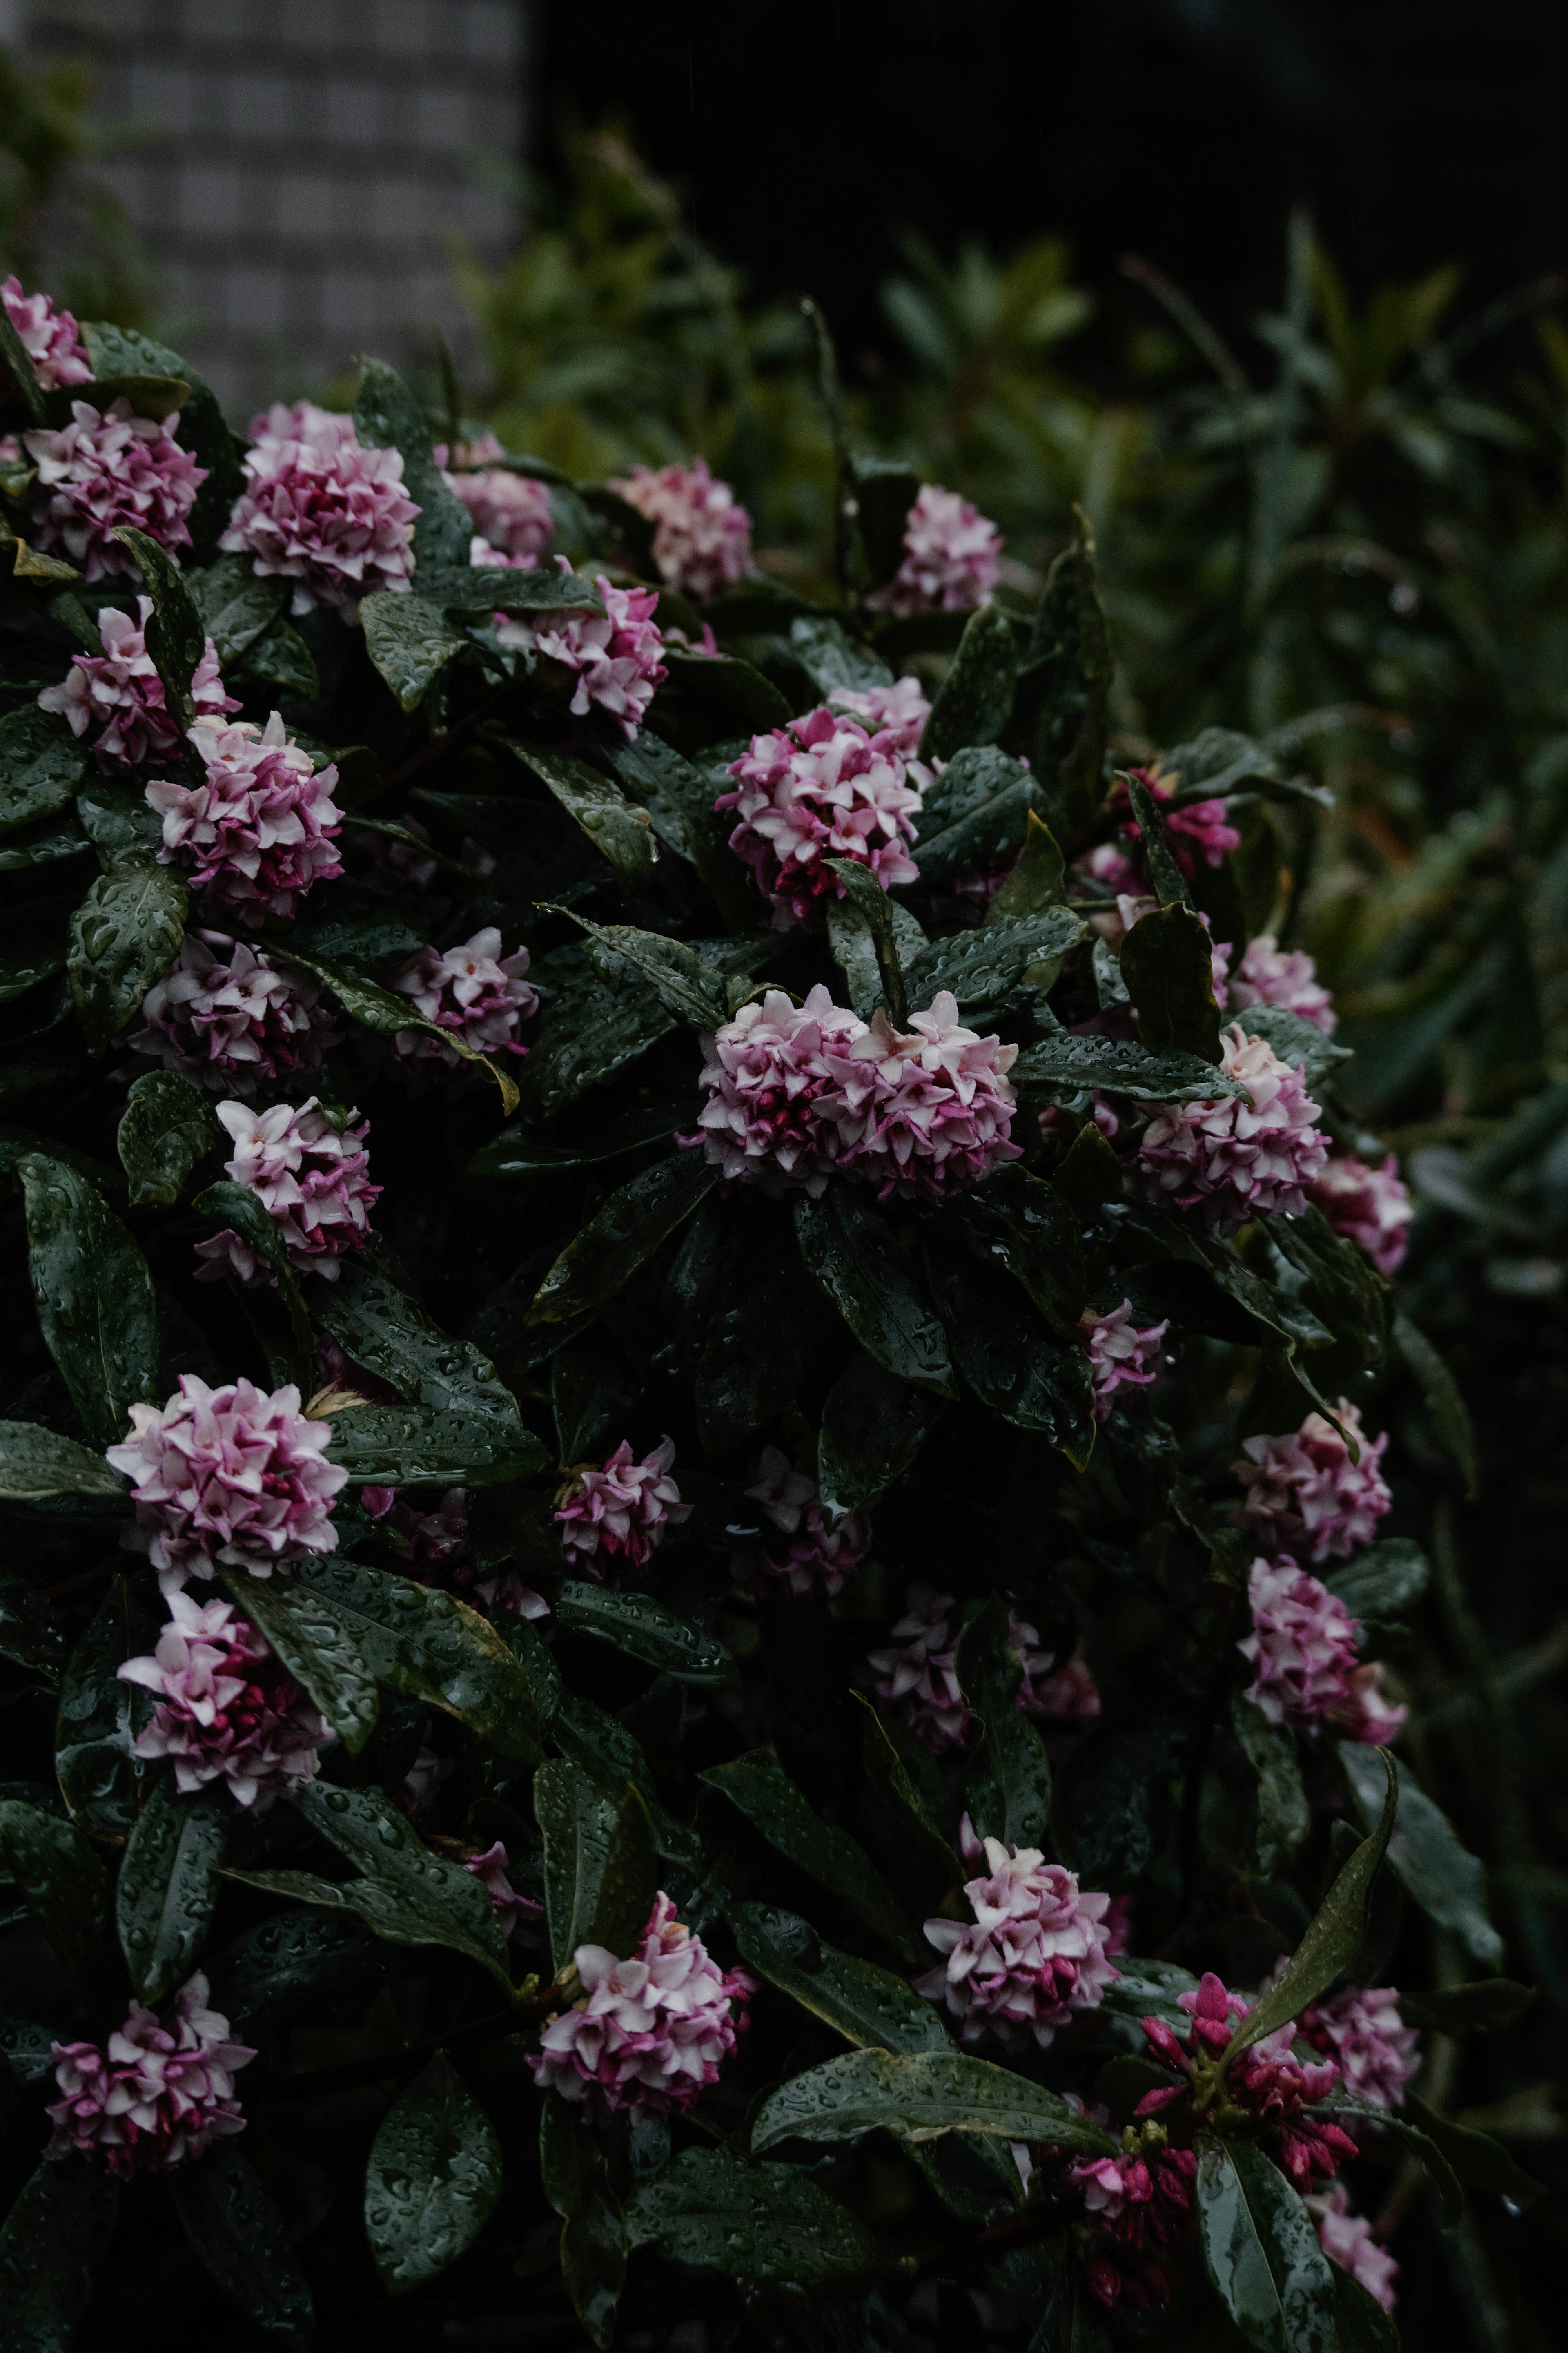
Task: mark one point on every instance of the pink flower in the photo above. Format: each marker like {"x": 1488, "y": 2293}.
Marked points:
{"x": 1369, "y": 1205}
{"x": 438, "y": 1552}
{"x": 102, "y": 470}
{"x": 817, "y": 1558}
{"x": 228, "y": 1711}
{"x": 512, "y": 517}
{"x": 927, "y": 1110}
{"x": 320, "y": 511}
{"x": 1035, "y": 1955}
{"x": 122, "y": 689}
{"x": 1346, "y": 2239}
{"x": 1264, "y": 2079}
{"x": 1121, "y": 1354}
{"x": 160, "y": 2095}
{"x": 1105, "y": 872}
{"x": 901, "y": 712}
{"x": 48, "y": 337}
{"x": 230, "y": 1475}
{"x": 1270, "y": 975}
{"x": 622, "y": 1509}
{"x": 1361, "y": 2030}
{"x": 230, "y": 1026}
{"x": 1233, "y": 1159}
{"x": 1305, "y": 1484}
{"x": 650, "y": 2032}
{"x": 766, "y": 1073}
{"x": 1302, "y": 1648}
{"x": 821, "y": 788}
{"x": 260, "y": 828}
{"x": 470, "y": 990}
{"x": 1198, "y": 830}
{"x": 918, "y": 1671}
{"x": 703, "y": 539}
{"x": 311, "y": 1180}
{"x": 512, "y": 1910}
{"x": 614, "y": 656}
{"x": 1140, "y": 2199}
{"x": 952, "y": 558}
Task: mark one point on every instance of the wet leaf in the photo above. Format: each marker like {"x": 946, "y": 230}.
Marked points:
{"x": 1014, "y": 1366}
{"x": 167, "y": 1127}
{"x": 851, "y": 1253}
{"x": 432, "y": 2178}
{"x": 167, "y": 1887}
{"x": 1260, "y": 2248}
{"x": 872, "y": 904}
{"x": 60, "y": 1878}
{"x": 1064, "y": 689}
{"x": 678, "y": 797}
{"x": 1165, "y": 963}
{"x": 980, "y": 968}
{"x": 242, "y": 2239}
{"x": 600, "y": 1873}
{"x": 1068, "y": 1065}
{"x": 236, "y": 604}
{"x": 918, "y": 2096}
{"x": 1007, "y": 1778}
{"x": 124, "y": 937}
{"x": 754, "y": 1360}
{"x": 674, "y": 973}
{"x": 100, "y": 1719}
{"x": 752, "y": 2221}
{"x": 867, "y": 2004}
{"x": 1036, "y": 882}
{"x": 1023, "y": 1227}
{"x": 1158, "y": 857}
{"x": 643, "y": 1629}
{"x": 239, "y": 1208}
{"x": 975, "y": 700}
{"x": 624, "y": 1231}
{"x": 389, "y": 1333}
{"x": 1284, "y": 1816}
{"x": 384, "y": 1011}
{"x": 618, "y": 829}
{"x": 1385, "y": 1582}
{"x": 872, "y": 1425}
{"x": 42, "y": 766}
{"x": 737, "y": 694}
{"x": 830, "y": 657}
{"x": 409, "y": 642}
{"x": 175, "y": 637}
{"x": 317, "y": 1646}
{"x": 593, "y": 2237}
{"x": 35, "y": 1463}
{"x": 447, "y": 1446}
{"x": 28, "y": 1634}
{"x": 1442, "y": 1876}
{"x": 51, "y": 2243}
{"x": 770, "y": 1802}
{"x": 387, "y": 417}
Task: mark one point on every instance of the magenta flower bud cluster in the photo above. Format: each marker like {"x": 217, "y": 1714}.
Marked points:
{"x": 229, "y": 1026}
{"x": 48, "y": 336}
{"x": 1141, "y": 2201}
{"x": 952, "y": 558}
{"x": 815, "y": 1558}
{"x": 322, "y": 511}
{"x": 312, "y": 1180}
{"x": 1302, "y": 1648}
{"x": 649, "y": 2033}
{"x": 1240, "y": 1156}
{"x": 702, "y": 535}
{"x": 120, "y": 690}
{"x": 823, "y": 787}
{"x": 226, "y": 1710}
{"x": 104, "y": 470}
{"x": 899, "y": 712}
{"x": 613, "y": 656}
{"x": 1121, "y": 1354}
{"x": 229, "y": 1477}
{"x": 157, "y": 2096}
{"x": 917, "y": 1673}
{"x": 1303, "y": 1490}
{"x": 1266, "y": 2078}
{"x": 620, "y": 1511}
{"x": 1035, "y": 1955}
{"x": 1369, "y": 1205}
{"x": 260, "y": 828}
{"x": 471, "y": 990}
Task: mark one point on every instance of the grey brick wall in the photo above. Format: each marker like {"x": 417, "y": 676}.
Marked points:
{"x": 306, "y": 167}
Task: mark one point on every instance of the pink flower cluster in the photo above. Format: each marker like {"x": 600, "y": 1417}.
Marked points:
{"x": 1270, "y": 975}
{"x": 1121, "y": 1354}
{"x": 614, "y": 656}
{"x": 120, "y": 689}
{"x": 48, "y": 337}
{"x": 820, "y": 789}
{"x": 650, "y": 2032}
{"x": 1304, "y": 1485}
{"x": 817, "y": 1558}
{"x": 1036, "y": 1954}
{"x": 230, "y": 1026}
{"x": 230, "y": 1475}
{"x": 702, "y": 536}
{"x": 952, "y": 558}
{"x": 1347, "y": 2240}
{"x": 320, "y": 511}
{"x": 620, "y": 1511}
{"x": 105, "y": 470}
{"x": 436, "y": 1543}
{"x": 1266, "y": 2078}
{"x": 1237, "y": 1158}
{"x": 1302, "y": 1648}
{"x": 795, "y": 1094}
{"x": 1198, "y": 830}
{"x": 260, "y": 828}
{"x": 513, "y": 1910}
{"x": 899, "y": 711}
{"x": 226, "y": 1710}
{"x": 158, "y": 2097}
{"x": 1359, "y": 2029}
{"x": 473, "y": 991}
{"x": 312, "y": 1180}
{"x": 511, "y": 513}
{"x": 1141, "y": 2201}
{"x": 1369, "y": 1205}
{"x": 918, "y": 1672}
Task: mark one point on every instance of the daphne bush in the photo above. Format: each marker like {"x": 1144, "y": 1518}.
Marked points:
{"x": 671, "y": 1362}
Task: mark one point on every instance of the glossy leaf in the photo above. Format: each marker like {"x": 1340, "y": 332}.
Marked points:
{"x": 674, "y": 971}
{"x": 411, "y": 1446}
{"x": 124, "y": 937}
{"x": 593, "y": 2235}
{"x": 1158, "y": 857}
{"x": 643, "y": 1629}
{"x": 1025, "y": 1227}
{"x": 318, "y": 1647}
{"x": 852, "y": 1255}
{"x": 167, "y": 1887}
{"x": 1284, "y": 1816}
{"x": 409, "y": 641}
{"x": 772, "y": 1804}
{"x": 167, "y": 1127}
{"x": 120, "y": 351}
{"x": 1036, "y": 882}
{"x": 99, "y": 1719}
{"x": 236, "y": 603}
{"x": 242, "y": 2240}
{"x": 1441, "y": 1875}
{"x": 384, "y": 1012}
{"x": 1445, "y": 1402}
{"x": 240, "y": 1210}
{"x": 1165, "y": 963}
{"x": 1399, "y": 2124}
{"x": 28, "y": 1633}
{"x": 867, "y": 2004}
{"x": 60, "y": 1878}
{"x": 1385, "y": 1581}
{"x": 1066, "y": 1065}
{"x": 871, "y": 903}
{"x": 872, "y": 1426}
{"x": 830, "y": 657}
{"x": 600, "y": 1875}
{"x": 35, "y": 1463}
{"x": 1260, "y": 2248}
{"x": 94, "y": 1296}
{"x": 975, "y": 700}
{"x": 51, "y": 2243}
{"x": 1297, "y": 1041}
{"x": 383, "y": 1329}
{"x": 980, "y": 968}
{"x": 918, "y": 2096}
{"x": 1478, "y": 2161}
{"x": 624, "y": 1231}
{"x": 387, "y": 417}
{"x": 432, "y": 2178}
{"x": 988, "y": 835}
{"x": 618, "y": 829}
{"x": 752, "y": 2221}
{"x": 678, "y": 797}
{"x": 754, "y": 1360}
{"x": 739, "y": 695}
{"x": 1016, "y": 1367}
{"x": 175, "y": 637}
{"x": 1007, "y": 1780}
{"x": 854, "y": 947}
{"x": 285, "y": 1964}
{"x": 42, "y": 766}
{"x": 1065, "y": 687}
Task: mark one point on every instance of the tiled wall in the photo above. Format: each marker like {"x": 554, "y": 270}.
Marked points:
{"x": 306, "y": 167}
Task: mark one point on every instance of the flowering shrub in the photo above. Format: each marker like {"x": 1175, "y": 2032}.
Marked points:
{"x": 867, "y": 1425}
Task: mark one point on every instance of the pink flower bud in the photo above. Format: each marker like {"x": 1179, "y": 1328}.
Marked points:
{"x": 1035, "y": 1955}
{"x": 815, "y": 1559}
{"x": 1305, "y": 1486}
{"x": 228, "y": 1711}
{"x": 513, "y": 1910}
{"x": 621, "y": 1510}
{"x": 1369, "y": 1205}
{"x": 312, "y": 1181}
{"x": 470, "y": 990}
{"x": 48, "y": 337}
{"x": 260, "y": 828}
{"x": 1239, "y": 1156}
{"x": 231, "y": 1026}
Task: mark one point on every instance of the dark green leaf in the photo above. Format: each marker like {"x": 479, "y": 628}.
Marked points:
{"x": 1023, "y": 1227}
{"x": 489, "y": 587}
{"x": 409, "y": 642}
{"x": 1364, "y": 2326}
{"x": 34, "y": 949}
{"x": 674, "y": 973}
{"x": 318, "y": 1649}
{"x": 897, "y": 1815}
{"x": 872, "y": 1425}
{"x": 624, "y": 1231}
{"x": 1159, "y": 859}
{"x": 1284, "y": 1816}
{"x": 851, "y": 1253}
{"x": 1445, "y": 1403}
{"x": 124, "y": 937}
{"x": 281, "y": 658}
{"x": 1443, "y": 1877}
{"x": 1478, "y": 2161}
{"x": 754, "y": 1358}
{"x": 885, "y": 490}
{"x": 1296, "y": 1040}
{"x": 868, "y": 2005}
{"x": 1385, "y": 1582}
{"x": 611, "y": 1756}
{"x": 58, "y": 1875}
{"x": 17, "y": 362}
{"x": 434, "y": 2176}
{"x": 239, "y": 1209}
{"x": 412, "y": 1446}
{"x": 236, "y": 604}
{"x": 232, "y": 2223}
{"x": 618, "y": 829}
{"x": 918, "y": 2096}
{"x": 390, "y": 1335}
{"x": 854, "y": 947}
{"x": 751, "y": 2221}
{"x": 176, "y": 639}
{"x": 643, "y": 1629}
{"x": 770, "y": 1801}
{"x": 1165, "y": 963}
{"x": 517, "y": 1152}
{"x": 1091, "y": 1175}
{"x": 167, "y": 1127}
{"x": 1112, "y": 1793}
{"x": 678, "y": 797}
{"x": 979, "y": 967}
{"x": 387, "y": 417}
{"x": 1013, "y": 1364}
{"x": 600, "y": 1872}
{"x": 28, "y": 1634}
{"x": 1064, "y": 690}
{"x": 36, "y": 1463}
{"x": 1396, "y": 2125}
{"x": 99, "y": 1719}
{"x": 588, "y": 1033}
{"x": 382, "y": 1011}
{"x": 1036, "y": 881}
{"x": 1261, "y": 2250}
{"x": 94, "y": 1297}
{"x": 1007, "y": 1782}
{"x": 51, "y": 2243}
{"x": 592, "y": 2238}
{"x": 290, "y": 1961}
{"x": 1068, "y": 1065}
{"x": 42, "y": 766}
{"x": 167, "y": 1887}
{"x": 985, "y": 837}
{"x": 975, "y": 700}
{"x": 121, "y": 352}
{"x": 121, "y": 824}
{"x": 1484, "y": 2008}
{"x": 733, "y": 690}
{"x": 872, "y": 904}
{"x": 43, "y": 850}
{"x": 830, "y": 657}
